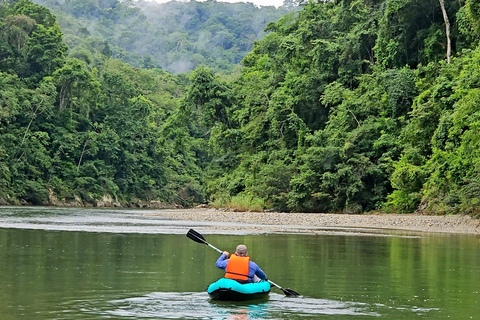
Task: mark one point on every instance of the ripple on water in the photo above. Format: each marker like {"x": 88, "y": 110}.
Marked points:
{"x": 197, "y": 305}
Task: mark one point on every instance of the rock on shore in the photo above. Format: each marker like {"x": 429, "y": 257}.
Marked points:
{"x": 309, "y": 222}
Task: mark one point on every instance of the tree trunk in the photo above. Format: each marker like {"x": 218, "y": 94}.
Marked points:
{"x": 447, "y": 29}
{"x": 83, "y": 152}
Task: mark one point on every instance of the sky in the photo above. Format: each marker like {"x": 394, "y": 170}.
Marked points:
{"x": 275, "y": 3}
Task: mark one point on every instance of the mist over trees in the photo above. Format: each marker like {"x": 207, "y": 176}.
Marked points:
{"x": 175, "y": 36}
{"x": 343, "y": 106}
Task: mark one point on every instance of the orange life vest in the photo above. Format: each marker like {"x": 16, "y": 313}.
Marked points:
{"x": 237, "y": 268}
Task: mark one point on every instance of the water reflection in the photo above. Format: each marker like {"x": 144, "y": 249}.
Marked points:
{"x": 197, "y": 305}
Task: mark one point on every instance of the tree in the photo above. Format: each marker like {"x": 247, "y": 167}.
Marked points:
{"x": 38, "y": 13}
{"x": 410, "y": 32}
{"x": 75, "y": 83}
{"x": 45, "y": 50}
{"x": 15, "y": 33}
{"x": 447, "y": 29}
{"x": 472, "y": 9}
{"x": 208, "y": 99}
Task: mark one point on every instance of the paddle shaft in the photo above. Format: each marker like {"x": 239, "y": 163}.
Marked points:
{"x": 276, "y": 285}
{"x": 218, "y": 250}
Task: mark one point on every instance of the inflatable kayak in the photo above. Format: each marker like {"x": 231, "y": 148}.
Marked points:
{"x": 230, "y": 290}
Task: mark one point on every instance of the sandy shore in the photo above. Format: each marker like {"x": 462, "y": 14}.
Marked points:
{"x": 321, "y": 222}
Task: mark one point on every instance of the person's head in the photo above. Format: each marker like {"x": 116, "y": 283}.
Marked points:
{"x": 241, "y": 251}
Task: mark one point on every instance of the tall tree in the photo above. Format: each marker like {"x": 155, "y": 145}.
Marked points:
{"x": 447, "y": 29}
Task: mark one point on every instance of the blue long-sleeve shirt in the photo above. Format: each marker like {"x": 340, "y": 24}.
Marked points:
{"x": 253, "y": 269}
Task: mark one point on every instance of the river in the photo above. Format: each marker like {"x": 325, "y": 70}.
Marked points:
{"x": 72, "y": 263}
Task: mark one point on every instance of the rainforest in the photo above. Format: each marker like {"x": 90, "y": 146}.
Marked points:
{"x": 334, "y": 106}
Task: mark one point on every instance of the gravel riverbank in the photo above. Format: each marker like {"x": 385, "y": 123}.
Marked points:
{"x": 315, "y": 222}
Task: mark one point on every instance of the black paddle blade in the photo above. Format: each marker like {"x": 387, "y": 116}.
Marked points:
{"x": 195, "y": 236}
{"x": 290, "y": 293}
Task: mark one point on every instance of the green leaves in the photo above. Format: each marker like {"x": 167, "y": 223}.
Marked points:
{"x": 330, "y": 92}
{"x": 440, "y": 160}
{"x": 472, "y": 10}
{"x": 210, "y": 98}
{"x": 69, "y": 133}
{"x": 346, "y": 106}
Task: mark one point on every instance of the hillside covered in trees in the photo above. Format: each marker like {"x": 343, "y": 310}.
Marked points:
{"x": 346, "y": 106}
{"x": 175, "y": 36}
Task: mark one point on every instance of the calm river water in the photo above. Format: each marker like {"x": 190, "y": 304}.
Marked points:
{"x": 58, "y": 263}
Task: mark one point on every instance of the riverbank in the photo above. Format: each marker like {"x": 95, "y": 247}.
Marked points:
{"x": 316, "y": 222}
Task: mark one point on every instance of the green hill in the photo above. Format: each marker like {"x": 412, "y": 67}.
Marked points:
{"x": 176, "y": 36}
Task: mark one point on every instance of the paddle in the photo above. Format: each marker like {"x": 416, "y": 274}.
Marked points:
{"x": 197, "y": 237}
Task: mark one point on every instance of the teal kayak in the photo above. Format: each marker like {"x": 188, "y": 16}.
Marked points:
{"x": 230, "y": 290}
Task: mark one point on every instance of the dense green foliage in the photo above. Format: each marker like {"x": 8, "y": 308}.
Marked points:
{"x": 71, "y": 132}
{"x": 345, "y": 106}
{"x": 176, "y": 36}
{"x": 350, "y": 106}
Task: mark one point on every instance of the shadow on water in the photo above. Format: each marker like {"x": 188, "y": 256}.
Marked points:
{"x": 197, "y": 305}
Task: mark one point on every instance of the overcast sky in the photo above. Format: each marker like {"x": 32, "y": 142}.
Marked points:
{"x": 275, "y": 3}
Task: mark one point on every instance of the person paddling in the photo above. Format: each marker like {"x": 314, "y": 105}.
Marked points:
{"x": 239, "y": 267}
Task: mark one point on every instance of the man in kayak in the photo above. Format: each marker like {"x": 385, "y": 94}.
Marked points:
{"x": 239, "y": 267}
